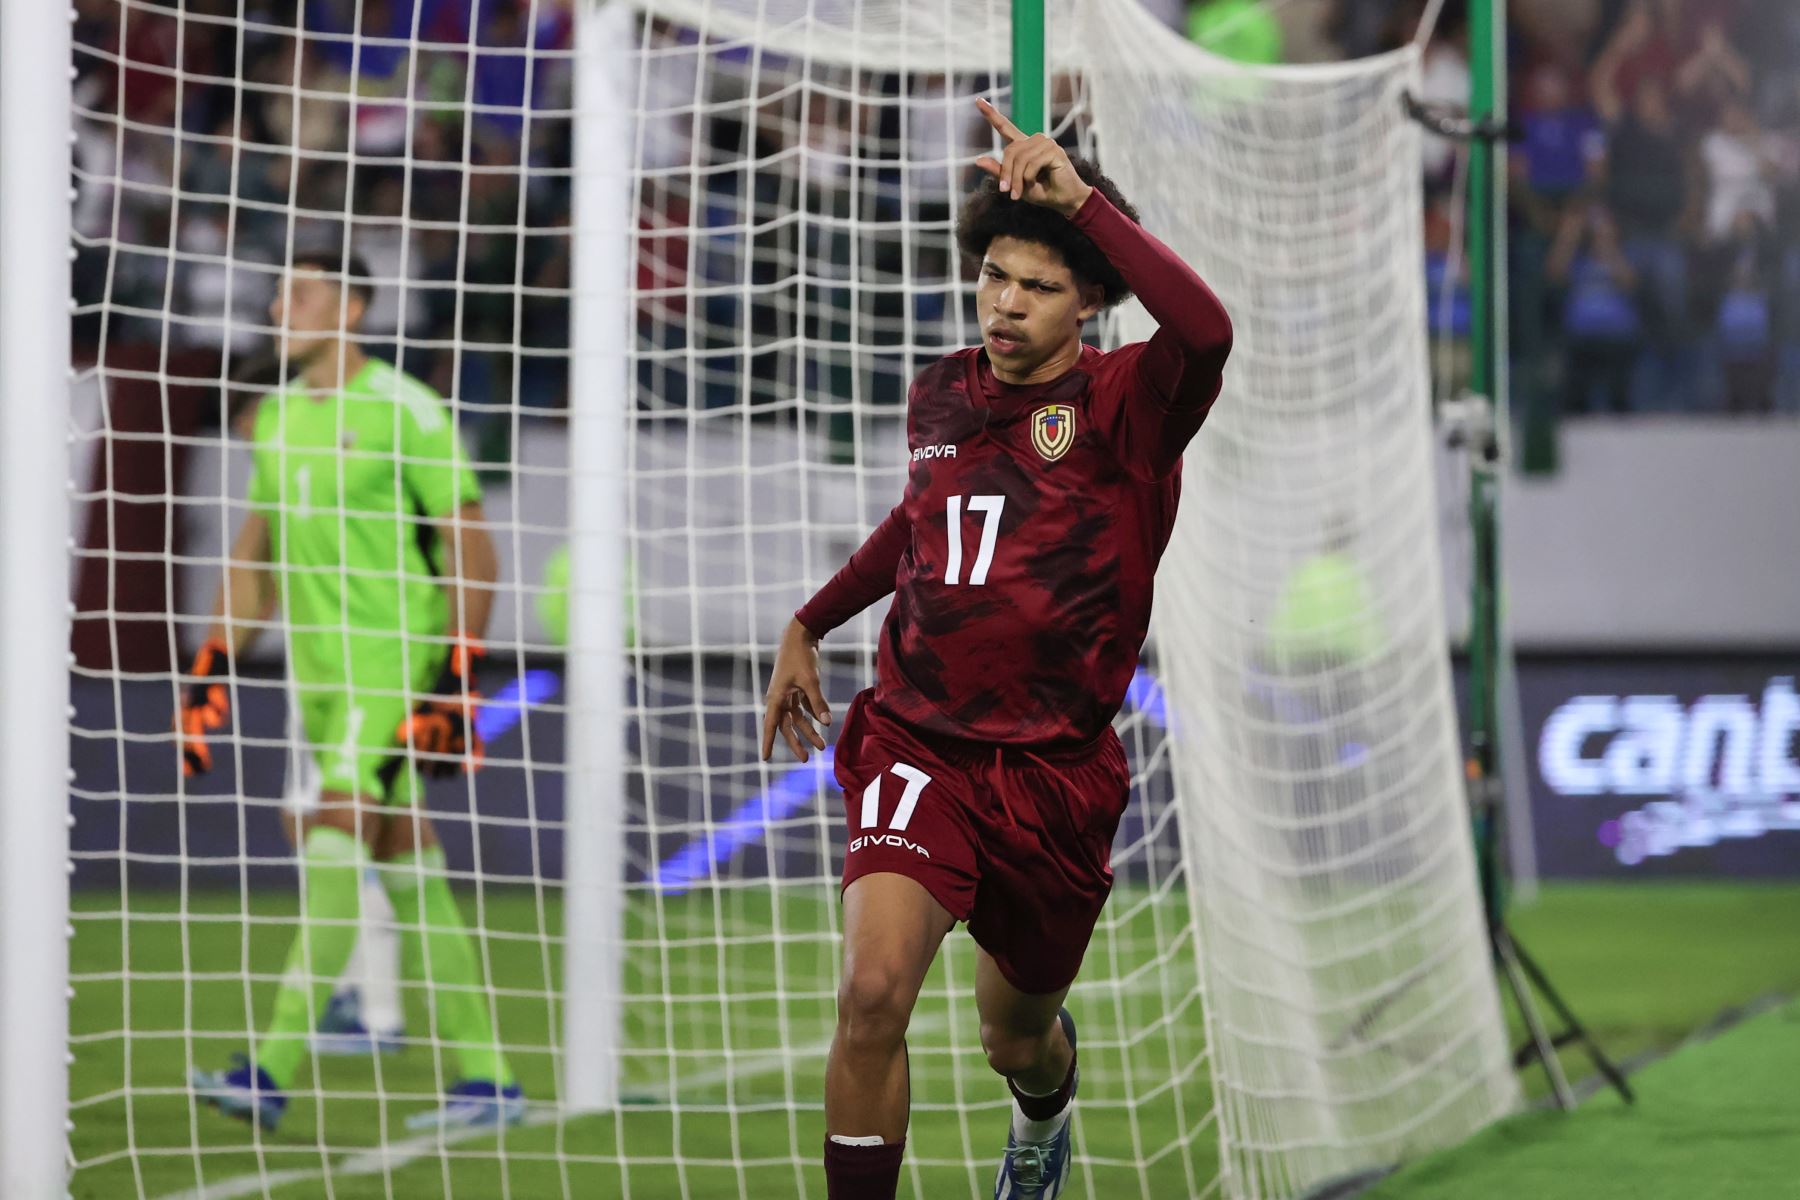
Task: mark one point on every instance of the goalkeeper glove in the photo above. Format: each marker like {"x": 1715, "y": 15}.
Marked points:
{"x": 207, "y": 705}
{"x": 440, "y": 733}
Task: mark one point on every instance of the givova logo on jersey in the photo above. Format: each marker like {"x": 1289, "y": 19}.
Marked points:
{"x": 1053, "y": 430}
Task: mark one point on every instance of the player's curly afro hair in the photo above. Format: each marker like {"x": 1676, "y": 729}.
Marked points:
{"x": 987, "y": 214}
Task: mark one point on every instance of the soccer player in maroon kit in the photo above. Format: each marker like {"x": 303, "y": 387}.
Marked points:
{"x": 982, "y": 778}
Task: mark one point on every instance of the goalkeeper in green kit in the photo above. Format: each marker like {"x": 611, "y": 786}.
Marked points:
{"x": 366, "y": 528}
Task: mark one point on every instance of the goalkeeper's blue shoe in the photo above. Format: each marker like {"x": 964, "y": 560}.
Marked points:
{"x": 341, "y": 1029}
{"x": 1040, "y": 1170}
{"x": 473, "y": 1104}
{"x": 245, "y": 1092}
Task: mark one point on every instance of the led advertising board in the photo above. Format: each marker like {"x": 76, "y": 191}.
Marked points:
{"x": 1664, "y": 765}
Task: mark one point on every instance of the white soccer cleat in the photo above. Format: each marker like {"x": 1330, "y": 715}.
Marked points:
{"x": 473, "y": 1104}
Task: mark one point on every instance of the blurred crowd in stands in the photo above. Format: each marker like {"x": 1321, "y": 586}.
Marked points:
{"x": 1654, "y": 258}
{"x": 172, "y": 155}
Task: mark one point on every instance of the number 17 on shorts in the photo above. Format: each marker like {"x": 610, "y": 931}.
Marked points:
{"x": 870, "y": 831}
{"x": 903, "y": 818}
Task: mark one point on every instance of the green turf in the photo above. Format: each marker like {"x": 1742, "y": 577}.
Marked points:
{"x": 1713, "y": 1120}
{"x": 1645, "y": 964}
{"x": 746, "y": 1066}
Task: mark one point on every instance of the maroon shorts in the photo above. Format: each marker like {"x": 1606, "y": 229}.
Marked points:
{"x": 1018, "y": 844}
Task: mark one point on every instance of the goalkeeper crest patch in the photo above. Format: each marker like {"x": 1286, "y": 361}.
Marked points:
{"x": 1053, "y": 430}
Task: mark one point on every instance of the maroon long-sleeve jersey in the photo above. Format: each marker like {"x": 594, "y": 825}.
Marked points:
{"x": 1023, "y": 555}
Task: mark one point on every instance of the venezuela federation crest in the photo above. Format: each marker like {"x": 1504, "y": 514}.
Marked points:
{"x": 1053, "y": 430}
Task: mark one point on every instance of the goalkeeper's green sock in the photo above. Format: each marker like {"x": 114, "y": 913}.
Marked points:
{"x": 435, "y": 938}
{"x": 331, "y": 864}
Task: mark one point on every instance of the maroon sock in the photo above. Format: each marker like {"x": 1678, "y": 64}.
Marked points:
{"x": 862, "y": 1172}
{"x": 1042, "y": 1108}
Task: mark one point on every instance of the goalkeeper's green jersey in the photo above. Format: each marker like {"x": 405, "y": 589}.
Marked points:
{"x": 1324, "y": 613}
{"x": 353, "y": 485}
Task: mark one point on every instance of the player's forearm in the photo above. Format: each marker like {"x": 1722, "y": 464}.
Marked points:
{"x": 1194, "y": 331}
{"x": 471, "y": 571}
{"x": 246, "y": 595}
{"x": 245, "y": 598}
{"x": 866, "y": 578}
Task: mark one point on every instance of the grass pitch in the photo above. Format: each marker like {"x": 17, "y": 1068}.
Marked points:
{"x": 1645, "y": 966}
{"x": 1714, "y": 1119}
{"x": 726, "y": 1087}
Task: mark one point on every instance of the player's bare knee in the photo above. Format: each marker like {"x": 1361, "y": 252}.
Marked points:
{"x": 343, "y": 811}
{"x": 873, "y": 1010}
{"x": 293, "y": 827}
{"x": 1010, "y": 1051}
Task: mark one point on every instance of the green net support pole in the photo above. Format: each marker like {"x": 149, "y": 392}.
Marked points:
{"x": 1525, "y": 979}
{"x": 1487, "y": 52}
{"x": 1031, "y": 94}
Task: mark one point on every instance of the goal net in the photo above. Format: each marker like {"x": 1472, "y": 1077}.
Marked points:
{"x": 1301, "y": 625}
{"x": 671, "y": 265}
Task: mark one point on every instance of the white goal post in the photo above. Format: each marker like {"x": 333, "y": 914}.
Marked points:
{"x": 34, "y": 602}
{"x": 671, "y": 263}
{"x": 593, "y": 858}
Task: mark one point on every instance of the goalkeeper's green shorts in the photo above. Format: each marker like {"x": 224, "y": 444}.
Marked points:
{"x": 353, "y": 697}
{"x": 352, "y": 736}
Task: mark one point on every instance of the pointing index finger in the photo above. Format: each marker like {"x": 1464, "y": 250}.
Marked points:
{"x": 1001, "y": 123}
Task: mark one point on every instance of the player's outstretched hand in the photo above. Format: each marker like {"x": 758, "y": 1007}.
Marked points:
{"x": 795, "y": 699}
{"x": 440, "y": 733}
{"x": 204, "y": 709}
{"x": 1034, "y": 169}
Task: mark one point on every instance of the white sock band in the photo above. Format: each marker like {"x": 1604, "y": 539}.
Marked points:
{"x": 873, "y": 1139}
{"x": 1027, "y": 1130}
